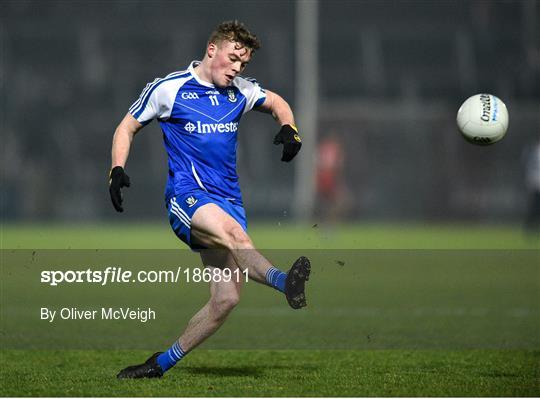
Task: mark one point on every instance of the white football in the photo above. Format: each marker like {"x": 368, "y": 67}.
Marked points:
{"x": 483, "y": 119}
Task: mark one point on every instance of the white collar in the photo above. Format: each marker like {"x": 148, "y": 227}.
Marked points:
{"x": 191, "y": 69}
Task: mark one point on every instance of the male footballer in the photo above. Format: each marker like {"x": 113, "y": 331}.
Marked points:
{"x": 199, "y": 111}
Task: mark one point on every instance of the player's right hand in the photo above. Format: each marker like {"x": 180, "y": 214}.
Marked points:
{"x": 288, "y": 136}
{"x": 117, "y": 180}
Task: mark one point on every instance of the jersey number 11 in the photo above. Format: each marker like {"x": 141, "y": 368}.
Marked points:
{"x": 213, "y": 100}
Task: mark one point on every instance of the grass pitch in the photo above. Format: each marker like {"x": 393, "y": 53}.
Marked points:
{"x": 278, "y": 373}
{"x": 374, "y": 327}
{"x": 275, "y": 236}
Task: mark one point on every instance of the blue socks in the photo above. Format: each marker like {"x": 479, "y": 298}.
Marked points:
{"x": 276, "y": 278}
{"x": 168, "y": 359}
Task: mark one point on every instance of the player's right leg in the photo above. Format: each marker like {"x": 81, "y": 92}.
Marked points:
{"x": 212, "y": 227}
{"x": 204, "y": 221}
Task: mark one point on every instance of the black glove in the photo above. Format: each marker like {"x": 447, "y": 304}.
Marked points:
{"x": 117, "y": 180}
{"x": 288, "y": 136}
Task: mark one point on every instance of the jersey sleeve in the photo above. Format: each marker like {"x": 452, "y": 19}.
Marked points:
{"x": 156, "y": 100}
{"x": 254, "y": 93}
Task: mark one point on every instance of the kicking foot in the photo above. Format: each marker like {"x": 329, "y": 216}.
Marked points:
{"x": 149, "y": 369}
{"x": 295, "y": 283}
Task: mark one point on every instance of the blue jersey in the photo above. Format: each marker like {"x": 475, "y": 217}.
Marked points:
{"x": 200, "y": 129}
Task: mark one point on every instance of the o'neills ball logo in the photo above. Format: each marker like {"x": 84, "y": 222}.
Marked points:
{"x": 485, "y": 99}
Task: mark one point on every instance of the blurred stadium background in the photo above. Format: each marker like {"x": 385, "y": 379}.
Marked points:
{"x": 391, "y": 76}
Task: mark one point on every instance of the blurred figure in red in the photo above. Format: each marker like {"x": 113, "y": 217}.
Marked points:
{"x": 332, "y": 195}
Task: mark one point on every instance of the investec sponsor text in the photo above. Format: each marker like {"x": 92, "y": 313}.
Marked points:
{"x": 205, "y": 128}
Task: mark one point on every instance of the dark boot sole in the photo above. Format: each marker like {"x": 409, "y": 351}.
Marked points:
{"x": 295, "y": 283}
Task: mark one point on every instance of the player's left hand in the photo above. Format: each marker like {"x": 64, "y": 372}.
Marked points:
{"x": 117, "y": 180}
{"x": 288, "y": 136}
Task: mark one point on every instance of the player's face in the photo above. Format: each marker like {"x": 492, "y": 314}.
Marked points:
{"x": 228, "y": 60}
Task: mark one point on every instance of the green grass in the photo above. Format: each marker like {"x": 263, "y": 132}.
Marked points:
{"x": 278, "y": 373}
{"x": 437, "y": 318}
{"x": 275, "y": 236}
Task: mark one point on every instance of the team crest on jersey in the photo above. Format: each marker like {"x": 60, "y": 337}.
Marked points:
{"x": 232, "y": 95}
{"x": 190, "y": 201}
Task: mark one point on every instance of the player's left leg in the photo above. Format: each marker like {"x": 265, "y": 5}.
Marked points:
{"x": 224, "y": 295}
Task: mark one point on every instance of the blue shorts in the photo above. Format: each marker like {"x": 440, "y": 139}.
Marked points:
{"x": 182, "y": 207}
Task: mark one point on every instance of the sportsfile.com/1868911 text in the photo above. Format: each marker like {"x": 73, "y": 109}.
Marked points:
{"x": 119, "y": 275}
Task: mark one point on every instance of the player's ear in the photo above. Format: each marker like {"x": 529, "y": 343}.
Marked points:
{"x": 211, "y": 50}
